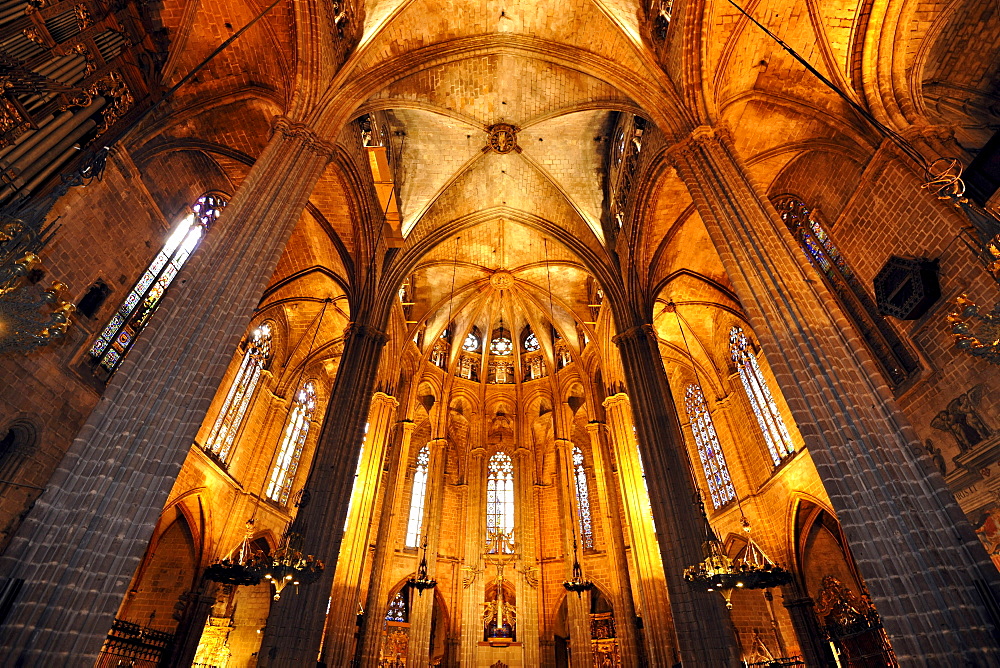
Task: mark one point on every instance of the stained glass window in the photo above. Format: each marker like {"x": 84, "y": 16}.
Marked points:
{"x": 501, "y": 343}
{"x": 895, "y": 359}
{"x": 582, "y": 500}
{"x": 531, "y": 343}
{"x": 500, "y": 504}
{"x": 779, "y": 443}
{"x": 398, "y": 610}
{"x": 471, "y": 343}
{"x": 120, "y": 333}
{"x": 415, "y": 523}
{"x": 720, "y": 485}
{"x": 220, "y": 439}
{"x": 296, "y": 431}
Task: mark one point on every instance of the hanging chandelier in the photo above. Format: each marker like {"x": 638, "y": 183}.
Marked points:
{"x": 422, "y": 581}
{"x": 975, "y": 332}
{"x": 288, "y": 565}
{"x": 238, "y": 567}
{"x": 718, "y": 572}
{"x": 578, "y": 583}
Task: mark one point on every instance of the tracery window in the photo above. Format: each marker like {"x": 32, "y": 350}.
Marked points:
{"x": 582, "y": 500}
{"x": 471, "y": 343}
{"x": 500, "y": 504}
{"x": 897, "y": 362}
{"x": 415, "y": 523}
{"x": 296, "y": 431}
{"x": 779, "y": 443}
{"x": 531, "y": 343}
{"x": 713, "y": 462}
{"x": 501, "y": 343}
{"x": 398, "y": 610}
{"x": 234, "y": 408}
{"x": 120, "y": 333}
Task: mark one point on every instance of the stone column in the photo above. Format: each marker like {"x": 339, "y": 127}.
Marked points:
{"x": 928, "y": 575}
{"x": 339, "y": 643}
{"x": 473, "y": 586}
{"x": 614, "y": 536}
{"x": 393, "y": 511}
{"x": 79, "y": 547}
{"x": 577, "y": 607}
{"x": 528, "y": 621}
{"x": 422, "y": 606}
{"x": 295, "y": 626}
{"x": 660, "y": 643}
{"x": 815, "y": 651}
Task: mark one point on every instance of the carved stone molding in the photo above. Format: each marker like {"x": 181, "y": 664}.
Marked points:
{"x": 295, "y": 130}
{"x": 645, "y": 331}
{"x": 354, "y": 329}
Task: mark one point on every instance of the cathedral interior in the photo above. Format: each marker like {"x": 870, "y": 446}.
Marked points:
{"x": 499, "y": 333}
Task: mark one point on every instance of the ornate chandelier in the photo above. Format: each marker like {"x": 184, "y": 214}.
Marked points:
{"x": 288, "y": 565}
{"x": 422, "y": 581}
{"x": 578, "y": 583}
{"x": 718, "y": 572}
{"x": 975, "y": 332}
{"x": 238, "y": 567}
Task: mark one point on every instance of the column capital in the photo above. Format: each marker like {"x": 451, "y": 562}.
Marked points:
{"x": 639, "y": 331}
{"x": 407, "y": 426}
{"x": 596, "y": 426}
{"x": 290, "y": 129}
{"x": 382, "y": 397}
{"x": 615, "y": 400}
{"x": 439, "y": 443}
{"x": 354, "y": 329}
{"x": 565, "y": 444}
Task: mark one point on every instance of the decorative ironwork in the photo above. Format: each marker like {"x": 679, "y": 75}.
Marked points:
{"x": 577, "y": 583}
{"x": 906, "y": 288}
{"x": 237, "y": 568}
{"x": 129, "y": 644}
{"x": 718, "y": 572}
{"x": 975, "y": 332}
{"x": 502, "y": 138}
{"x": 421, "y": 581}
{"x": 288, "y": 565}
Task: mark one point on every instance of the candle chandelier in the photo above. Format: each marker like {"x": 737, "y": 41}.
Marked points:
{"x": 421, "y": 581}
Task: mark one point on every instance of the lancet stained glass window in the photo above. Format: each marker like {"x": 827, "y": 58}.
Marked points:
{"x": 897, "y": 361}
{"x": 500, "y": 503}
{"x": 120, "y": 333}
{"x": 398, "y": 610}
{"x": 220, "y": 439}
{"x": 713, "y": 462}
{"x": 531, "y": 343}
{"x": 296, "y": 432}
{"x": 779, "y": 443}
{"x": 417, "y": 496}
{"x": 582, "y": 500}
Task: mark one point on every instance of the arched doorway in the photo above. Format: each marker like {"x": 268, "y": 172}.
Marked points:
{"x": 846, "y": 618}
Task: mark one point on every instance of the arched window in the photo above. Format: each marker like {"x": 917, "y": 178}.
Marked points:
{"x": 296, "y": 431}
{"x": 779, "y": 443}
{"x": 501, "y": 343}
{"x": 220, "y": 439}
{"x": 531, "y": 342}
{"x": 582, "y": 500}
{"x": 472, "y": 342}
{"x": 895, "y": 359}
{"x": 720, "y": 485}
{"x": 416, "y": 521}
{"x": 500, "y": 504}
{"x": 118, "y": 336}
{"x": 398, "y": 610}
